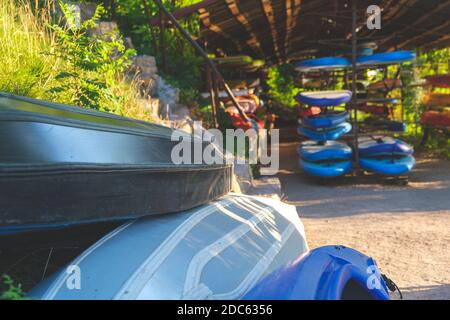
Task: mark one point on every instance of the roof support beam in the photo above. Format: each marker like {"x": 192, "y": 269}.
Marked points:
{"x": 430, "y": 32}
{"x": 292, "y": 10}
{"x": 242, "y": 19}
{"x": 439, "y": 43}
{"x": 204, "y": 16}
{"x": 187, "y": 11}
{"x": 423, "y": 18}
{"x": 268, "y": 11}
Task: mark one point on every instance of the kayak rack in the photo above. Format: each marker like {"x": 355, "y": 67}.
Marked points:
{"x": 350, "y": 70}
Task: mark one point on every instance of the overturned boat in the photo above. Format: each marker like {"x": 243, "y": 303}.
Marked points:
{"x": 237, "y": 247}
{"x": 62, "y": 165}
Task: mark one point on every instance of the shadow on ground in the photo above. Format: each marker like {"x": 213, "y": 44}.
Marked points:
{"x": 428, "y": 190}
{"x": 440, "y": 292}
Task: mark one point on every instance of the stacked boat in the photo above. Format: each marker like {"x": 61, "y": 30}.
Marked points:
{"x": 62, "y": 166}
{"x": 386, "y": 155}
{"x": 322, "y": 156}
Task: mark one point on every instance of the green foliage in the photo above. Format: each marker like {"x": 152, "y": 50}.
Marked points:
{"x": 282, "y": 86}
{"x": 91, "y": 62}
{"x": 183, "y": 67}
{"x": 427, "y": 63}
{"x": 13, "y": 291}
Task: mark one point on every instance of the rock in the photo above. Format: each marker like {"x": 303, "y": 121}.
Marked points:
{"x": 144, "y": 70}
{"x": 177, "y": 116}
{"x": 105, "y": 29}
{"x": 243, "y": 176}
{"x": 145, "y": 65}
{"x": 166, "y": 93}
{"x": 128, "y": 43}
{"x": 81, "y": 11}
{"x": 151, "y": 105}
{"x": 269, "y": 187}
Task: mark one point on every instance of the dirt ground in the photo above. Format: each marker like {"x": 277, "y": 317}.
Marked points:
{"x": 405, "y": 228}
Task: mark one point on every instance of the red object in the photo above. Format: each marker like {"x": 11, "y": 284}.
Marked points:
{"x": 240, "y": 123}
{"x": 311, "y": 111}
{"x": 436, "y": 118}
{"x": 385, "y": 84}
{"x": 439, "y": 81}
{"x": 375, "y": 109}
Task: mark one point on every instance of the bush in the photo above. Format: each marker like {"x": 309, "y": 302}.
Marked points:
{"x": 13, "y": 291}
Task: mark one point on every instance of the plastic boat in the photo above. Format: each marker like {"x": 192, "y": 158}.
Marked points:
{"x": 436, "y": 118}
{"x": 325, "y": 98}
{"x": 326, "y": 273}
{"x": 330, "y": 150}
{"x": 388, "y": 125}
{"x": 439, "y": 80}
{"x": 326, "y": 169}
{"x": 62, "y": 165}
{"x": 322, "y": 64}
{"x": 385, "y": 58}
{"x": 389, "y": 166}
{"x": 379, "y": 146}
{"x": 237, "y": 247}
{"x": 327, "y": 134}
{"x": 326, "y": 120}
{"x": 217, "y": 251}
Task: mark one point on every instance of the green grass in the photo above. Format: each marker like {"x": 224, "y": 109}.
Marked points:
{"x": 35, "y": 54}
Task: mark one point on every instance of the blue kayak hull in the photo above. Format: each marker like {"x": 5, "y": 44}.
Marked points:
{"x": 325, "y": 273}
{"x": 388, "y": 166}
{"x": 331, "y": 150}
{"x": 326, "y": 169}
{"x": 384, "y": 58}
{"x": 327, "y": 120}
{"x": 326, "y": 63}
{"x": 325, "y": 98}
{"x": 384, "y": 146}
{"x": 324, "y": 135}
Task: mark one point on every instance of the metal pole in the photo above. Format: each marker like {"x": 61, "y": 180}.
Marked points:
{"x": 150, "y": 26}
{"x": 354, "y": 98}
{"x": 204, "y": 55}
{"x": 212, "y": 94}
{"x": 162, "y": 40}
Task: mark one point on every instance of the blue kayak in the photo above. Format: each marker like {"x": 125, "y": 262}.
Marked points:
{"x": 388, "y": 125}
{"x": 325, "y": 98}
{"x": 326, "y": 120}
{"x": 389, "y": 166}
{"x": 326, "y": 169}
{"x": 325, "y": 273}
{"x": 324, "y": 135}
{"x": 373, "y": 147}
{"x": 385, "y": 58}
{"x": 330, "y": 150}
{"x": 327, "y": 63}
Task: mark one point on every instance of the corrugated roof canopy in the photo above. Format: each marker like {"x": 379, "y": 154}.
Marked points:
{"x": 283, "y": 30}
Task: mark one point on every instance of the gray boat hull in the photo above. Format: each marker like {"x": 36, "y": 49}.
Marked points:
{"x": 217, "y": 251}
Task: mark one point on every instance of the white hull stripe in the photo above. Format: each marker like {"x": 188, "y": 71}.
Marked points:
{"x": 202, "y": 258}
{"x": 57, "y": 285}
{"x": 252, "y": 277}
{"x": 136, "y": 283}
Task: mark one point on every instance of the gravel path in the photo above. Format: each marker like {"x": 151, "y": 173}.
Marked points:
{"x": 405, "y": 228}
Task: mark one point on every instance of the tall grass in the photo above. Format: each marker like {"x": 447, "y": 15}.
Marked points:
{"x": 30, "y": 67}
{"x": 24, "y": 40}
